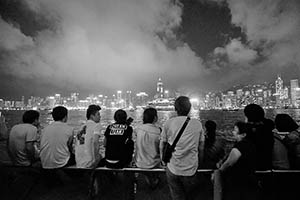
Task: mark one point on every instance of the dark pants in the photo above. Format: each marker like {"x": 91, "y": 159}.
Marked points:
{"x": 240, "y": 188}
{"x": 181, "y": 187}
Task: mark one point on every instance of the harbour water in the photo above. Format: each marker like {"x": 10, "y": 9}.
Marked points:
{"x": 224, "y": 119}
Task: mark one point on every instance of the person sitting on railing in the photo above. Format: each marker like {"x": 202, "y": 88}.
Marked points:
{"x": 4, "y": 156}
{"x": 57, "y": 141}
{"x": 289, "y": 130}
{"x": 263, "y": 135}
{"x": 213, "y": 148}
{"x": 87, "y": 139}
{"x": 280, "y": 159}
{"x": 238, "y": 171}
{"x": 118, "y": 142}
{"x": 23, "y": 138}
{"x": 147, "y": 145}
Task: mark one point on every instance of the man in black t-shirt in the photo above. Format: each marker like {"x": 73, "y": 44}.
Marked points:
{"x": 118, "y": 142}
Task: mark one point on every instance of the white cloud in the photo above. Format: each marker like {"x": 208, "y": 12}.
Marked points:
{"x": 237, "y": 52}
{"x": 104, "y": 44}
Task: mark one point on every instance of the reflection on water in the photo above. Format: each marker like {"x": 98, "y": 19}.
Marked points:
{"x": 224, "y": 119}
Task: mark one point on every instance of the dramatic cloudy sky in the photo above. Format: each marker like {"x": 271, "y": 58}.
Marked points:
{"x": 94, "y": 46}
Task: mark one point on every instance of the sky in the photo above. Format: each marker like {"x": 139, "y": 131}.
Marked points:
{"x": 101, "y": 46}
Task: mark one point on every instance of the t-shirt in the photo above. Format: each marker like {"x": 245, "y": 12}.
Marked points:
{"x": 244, "y": 169}
{"x": 19, "y": 135}
{"x": 147, "y": 146}
{"x": 54, "y": 149}
{"x": 84, "y": 148}
{"x": 116, "y": 135}
{"x": 184, "y": 160}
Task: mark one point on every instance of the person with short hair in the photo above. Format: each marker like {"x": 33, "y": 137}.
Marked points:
{"x": 56, "y": 141}
{"x": 23, "y": 138}
{"x": 289, "y": 130}
{"x": 213, "y": 147}
{"x": 147, "y": 141}
{"x": 263, "y": 135}
{"x": 118, "y": 142}
{"x": 87, "y": 140}
{"x": 147, "y": 146}
{"x": 183, "y": 165}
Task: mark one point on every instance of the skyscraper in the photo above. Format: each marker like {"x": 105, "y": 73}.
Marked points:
{"x": 294, "y": 92}
{"x": 160, "y": 88}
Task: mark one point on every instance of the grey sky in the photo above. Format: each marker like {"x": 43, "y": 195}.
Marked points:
{"x": 99, "y": 46}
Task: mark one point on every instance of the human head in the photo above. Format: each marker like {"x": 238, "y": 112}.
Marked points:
{"x": 285, "y": 123}
{"x": 254, "y": 113}
{"x": 182, "y": 105}
{"x": 31, "y": 117}
{"x": 120, "y": 116}
{"x": 93, "y": 113}
{"x": 149, "y": 115}
{"x": 210, "y": 127}
{"x": 60, "y": 113}
{"x": 240, "y": 130}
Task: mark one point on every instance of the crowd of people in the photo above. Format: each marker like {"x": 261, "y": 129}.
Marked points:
{"x": 261, "y": 144}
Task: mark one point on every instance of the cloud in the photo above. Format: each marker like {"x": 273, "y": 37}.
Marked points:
{"x": 11, "y": 37}
{"x": 97, "y": 45}
{"x": 273, "y": 26}
{"x": 236, "y": 52}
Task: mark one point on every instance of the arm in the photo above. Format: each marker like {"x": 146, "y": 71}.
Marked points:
{"x": 233, "y": 157}
{"x": 3, "y": 129}
{"x": 163, "y": 140}
{"x": 70, "y": 142}
{"x": 30, "y": 150}
{"x": 201, "y": 146}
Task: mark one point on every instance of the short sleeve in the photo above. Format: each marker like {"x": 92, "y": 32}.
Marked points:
{"x": 97, "y": 130}
{"x": 31, "y": 135}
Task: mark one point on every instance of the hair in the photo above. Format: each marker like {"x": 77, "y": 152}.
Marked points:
{"x": 92, "y": 109}
{"x": 149, "y": 115}
{"x": 183, "y": 105}
{"x": 254, "y": 113}
{"x": 59, "y": 113}
{"x": 210, "y": 127}
{"x": 30, "y": 116}
{"x": 120, "y": 116}
{"x": 285, "y": 123}
{"x": 242, "y": 126}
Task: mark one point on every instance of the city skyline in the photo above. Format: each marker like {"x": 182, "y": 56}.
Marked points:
{"x": 268, "y": 95}
{"x": 49, "y": 47}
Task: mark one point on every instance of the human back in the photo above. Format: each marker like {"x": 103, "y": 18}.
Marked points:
{"x": 23, "y": 138}
{"x": 147, "y": 141}
{"x": 87, "y": 140}
{"x": 56, "y": 141}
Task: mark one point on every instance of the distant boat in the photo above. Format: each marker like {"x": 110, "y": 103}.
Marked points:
{"x": 162, "y": 104}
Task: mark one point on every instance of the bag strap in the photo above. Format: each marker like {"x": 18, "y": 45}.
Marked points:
{"x": 180, "y": 133}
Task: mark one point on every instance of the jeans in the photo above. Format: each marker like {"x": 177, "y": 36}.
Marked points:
{"x": 181, "y": 187}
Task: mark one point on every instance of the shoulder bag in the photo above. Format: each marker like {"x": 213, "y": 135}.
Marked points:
{"x": 169, "y": 149}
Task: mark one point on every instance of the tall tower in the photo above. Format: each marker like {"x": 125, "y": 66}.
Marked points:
{"x": 294, "y": 91}
{"x": 279, "y": 85}
{"x": 160, "y": 88}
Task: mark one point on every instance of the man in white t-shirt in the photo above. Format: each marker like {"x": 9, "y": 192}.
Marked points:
{"x": 87, "y": 140}
{"x": 56, "y": 141}
{"x": 181, "y": 170}
{"x": 23, "y": 138}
